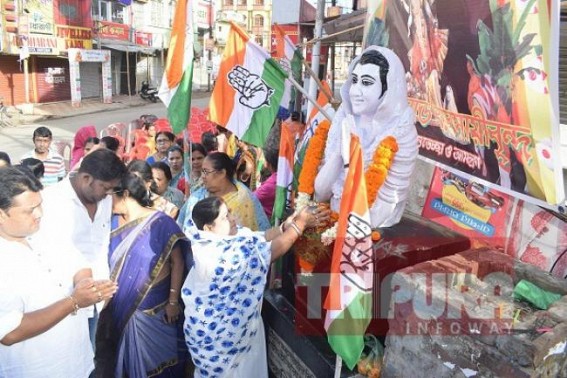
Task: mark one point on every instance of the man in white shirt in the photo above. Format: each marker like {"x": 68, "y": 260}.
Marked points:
{"x": 77, "y": 214}
{"x": 41, "y": 332}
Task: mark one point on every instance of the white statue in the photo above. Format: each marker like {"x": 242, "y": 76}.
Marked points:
{"x": 375, "y": 95}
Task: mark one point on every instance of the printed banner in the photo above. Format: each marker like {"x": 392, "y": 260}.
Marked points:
{"x": 467, "y": 207}
{"x": 479, "y": 79}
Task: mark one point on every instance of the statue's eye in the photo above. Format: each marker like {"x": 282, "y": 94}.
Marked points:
{"x": 367, "y": 82}
{"x": 354, "y": 79}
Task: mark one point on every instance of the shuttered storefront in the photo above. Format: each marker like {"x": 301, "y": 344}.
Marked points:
{"x": 51, "y": 79}
{"x": 91, "y": 79}
{"x": 12, "y": 87}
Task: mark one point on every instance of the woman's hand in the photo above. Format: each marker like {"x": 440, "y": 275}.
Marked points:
{"x": 88, "y": 291}
{"x": 171, "y": 312}
{"x": 313, "y": 216}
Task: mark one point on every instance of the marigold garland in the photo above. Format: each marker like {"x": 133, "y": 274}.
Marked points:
{"x": 377, "y": 171}
{"x": 375, "y": 174}
{"x": 313, "y": 157}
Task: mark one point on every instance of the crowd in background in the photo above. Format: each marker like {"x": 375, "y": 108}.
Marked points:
{"x": 138, "y": 216}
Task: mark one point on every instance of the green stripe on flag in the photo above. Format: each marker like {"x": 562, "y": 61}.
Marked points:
{"x": 179, "y": 109}
{"x": 263, "y": 118}
{"x": 279, "y": 203}
{"x": 346, "y": 332}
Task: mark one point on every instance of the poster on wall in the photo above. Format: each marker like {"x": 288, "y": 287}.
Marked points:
{"x": 468, "y": 207}
{"x": 479, "y": 77}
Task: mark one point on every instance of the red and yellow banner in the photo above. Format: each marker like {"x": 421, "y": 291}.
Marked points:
{"x": 480, "y": 81}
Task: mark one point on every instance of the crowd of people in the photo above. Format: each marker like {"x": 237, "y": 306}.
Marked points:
{"x": 130, "y": 262}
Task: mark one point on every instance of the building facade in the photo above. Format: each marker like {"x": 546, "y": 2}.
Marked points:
{"x": 119, "y": 45}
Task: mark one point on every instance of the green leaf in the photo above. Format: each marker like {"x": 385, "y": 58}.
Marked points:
{"x": 525, "y": 47}
{"x": 522, "y": 21}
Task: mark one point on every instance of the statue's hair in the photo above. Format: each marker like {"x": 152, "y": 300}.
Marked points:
{"x": 375, "y": 57}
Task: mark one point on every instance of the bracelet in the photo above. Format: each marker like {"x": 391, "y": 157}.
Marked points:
{"x": 75, "y": 305}
{"x": 172, "y": 291}
{"x": 172, "y": 303}
{"x": 295, "y": 228}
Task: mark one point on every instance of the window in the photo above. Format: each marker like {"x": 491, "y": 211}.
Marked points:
{"x": 118, "y": 12}
{"x": 259, "y": 2}
{"x": 228, "y": 3}
{"x": 258, "y": 20}
{"x": 110, "y": 11}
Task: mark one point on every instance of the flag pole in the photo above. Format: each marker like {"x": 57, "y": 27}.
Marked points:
{"x": 319, "y": 84}
{"x": 304, "y": 92}
{"x": 338, "y": 366}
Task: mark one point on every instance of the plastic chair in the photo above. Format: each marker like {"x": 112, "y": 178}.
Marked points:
{"x": 63, "y": 148}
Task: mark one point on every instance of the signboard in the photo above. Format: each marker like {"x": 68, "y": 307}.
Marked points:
{"x": 143, "y": 39}
{"x": 82, "y": 55}
{"x": 112, "y": 30}
{"x": 40, "y": 16}
{"x": 204, "y": 19}
{"x": 482, "y": 81}
{"x": 69, "y": 37}
{"x": 42, "y": 45}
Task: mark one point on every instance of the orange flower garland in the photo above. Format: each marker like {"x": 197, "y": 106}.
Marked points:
{"x": 313, "y": 157}
{"x": 375, "y": 174}
{"x": 377, "y": 171}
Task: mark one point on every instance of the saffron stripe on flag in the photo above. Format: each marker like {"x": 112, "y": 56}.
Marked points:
{"x": 176, "y": 84}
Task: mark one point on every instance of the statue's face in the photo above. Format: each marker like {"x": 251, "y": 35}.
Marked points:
{"x": 365, "y": 89}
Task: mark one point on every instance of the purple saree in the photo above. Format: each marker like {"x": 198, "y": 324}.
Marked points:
{"x": 133, "y": 339}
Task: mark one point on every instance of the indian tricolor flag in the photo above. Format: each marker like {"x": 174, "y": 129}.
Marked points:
{"x": 285, "y": 172}
{"x": 248, "y": 90}
{"x": 290, "y": 59}
{"x": 349, "y": 301}
{"x": 175, "y": 89}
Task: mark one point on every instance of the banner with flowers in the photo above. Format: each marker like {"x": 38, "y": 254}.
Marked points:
{"x": 480, "y": 77}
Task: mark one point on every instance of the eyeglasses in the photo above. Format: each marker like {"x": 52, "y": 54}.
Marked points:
{"x": 205, "y": 173}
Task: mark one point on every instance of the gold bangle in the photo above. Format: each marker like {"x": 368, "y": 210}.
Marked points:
{"x": 75, "y": 305}
{"x": 296, "y": 229}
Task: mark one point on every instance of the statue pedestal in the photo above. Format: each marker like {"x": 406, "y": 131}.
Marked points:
{"x": 293, "y": 316}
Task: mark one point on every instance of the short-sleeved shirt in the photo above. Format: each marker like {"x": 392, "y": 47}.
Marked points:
{"x": 66, "y": 225}
{"x": 54, "y": 166}
{"x": 30, "y": 280}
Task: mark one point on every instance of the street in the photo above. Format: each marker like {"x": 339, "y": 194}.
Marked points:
{"x": 18, "y": 140}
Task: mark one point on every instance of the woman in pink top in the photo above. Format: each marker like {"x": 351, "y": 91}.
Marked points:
{"x": 81, "y": 137}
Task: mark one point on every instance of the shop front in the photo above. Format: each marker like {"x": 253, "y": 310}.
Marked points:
{"x": 81, "y": 85}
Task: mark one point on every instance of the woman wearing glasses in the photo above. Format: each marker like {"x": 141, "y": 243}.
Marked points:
{"x": 218, "y": 175}
{"x": 164, "y": 140}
